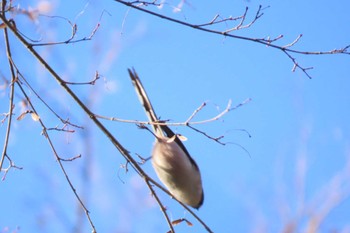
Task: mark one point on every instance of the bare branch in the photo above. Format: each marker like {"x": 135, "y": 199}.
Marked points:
{"x": 74, "y": 29}
{"x": 43, "y": 101}
{"x": 12, "y": 91}
{"x": 223, "y": 20}
{"x": 286, "y": 49}
{"x": 143, "y": 160}
{"x": 183, "y": 205}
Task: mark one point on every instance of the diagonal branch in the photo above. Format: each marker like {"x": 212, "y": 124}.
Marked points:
{"x": 12, "y": 91}
{"x": 287, "y": 50}
{"x": 123, "y": 151}
{"x": 163, "y": 209}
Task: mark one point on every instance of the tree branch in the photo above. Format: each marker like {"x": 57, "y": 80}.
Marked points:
{"x": 12, "y": 91}
{"x": 287, "y": 50}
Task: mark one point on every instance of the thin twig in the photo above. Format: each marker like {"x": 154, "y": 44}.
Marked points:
{"x": 11, "y": 165}
{"x": 74, "y": 29}
{"x": 188, "y": 122}
{"x": 195, "y": 112}
{"x": 257, "y": 16}
{"x": 217, "y": 139}
{"x": 92, "y": 82}
{"x": 239, "y": 26}
{"x": 183, "y": 205}
{"x": 293, "y": 42}
{"x": 221, "y": 20}
{"x": 269, "y": 40}
{"x": 59, "y": 159}
{"x": 185, "y": 123}
{"x": 43, "y": 101}
{"x": 63, "y": 129}
{"x": 12, "y": 91}
{"x": 70, "y": 159}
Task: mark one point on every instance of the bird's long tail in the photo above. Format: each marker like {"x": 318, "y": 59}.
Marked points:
{"x": 145, "y": 102}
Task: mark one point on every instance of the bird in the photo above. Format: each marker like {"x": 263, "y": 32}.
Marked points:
{"x": 171, "y": 161}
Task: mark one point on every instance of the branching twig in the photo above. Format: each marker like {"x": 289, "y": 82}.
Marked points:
{"x": 297, "y": 65}
{"x": 72, "y": 38}
{"x": 188, "y": 122}
{"x": 45, "y": 133}
{"x": 218, "y": 19}
{"x": 143, "y": 160}
{"x": 185, "y": 123}
{"x": 11, "y": 165}
{"x": 286, "y": 49}
{"x": 12, "y": 91}
{"x": 183, "y": 205}
{"x": 243, "y": 18}
{"x": 65, "y": 122}
{"x": 63, "y": 128}
{"x": 59, "y": 159}
{"x": 269, "y": 40}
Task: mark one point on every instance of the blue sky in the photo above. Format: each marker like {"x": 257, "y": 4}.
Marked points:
{"x": 298, "y": 152}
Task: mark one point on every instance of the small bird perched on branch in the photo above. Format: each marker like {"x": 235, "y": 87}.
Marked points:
{"x": 170, "y": 159}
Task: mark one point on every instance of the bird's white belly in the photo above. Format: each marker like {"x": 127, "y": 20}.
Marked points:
{"x": 176, "y": 171}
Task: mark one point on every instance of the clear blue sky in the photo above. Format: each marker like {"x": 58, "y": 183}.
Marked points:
{"x": 298, "y": 153}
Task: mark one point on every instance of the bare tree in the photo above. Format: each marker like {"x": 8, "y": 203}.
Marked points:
{"x": 19, "y": 84}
